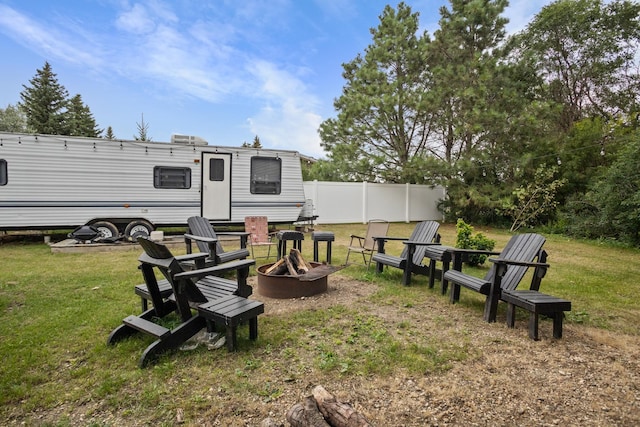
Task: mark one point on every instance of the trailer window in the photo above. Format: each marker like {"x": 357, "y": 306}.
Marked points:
{"x": 216, "y": 170}
{"x": 266, "y": 175}
{"x": 3, "y": 172}
{"x": 171, "y": 177}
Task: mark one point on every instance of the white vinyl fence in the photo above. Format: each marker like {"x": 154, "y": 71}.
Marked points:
{"x": 353, "y": 202}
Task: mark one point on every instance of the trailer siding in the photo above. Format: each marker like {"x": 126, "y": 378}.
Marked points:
{"x": 58, "y": 181}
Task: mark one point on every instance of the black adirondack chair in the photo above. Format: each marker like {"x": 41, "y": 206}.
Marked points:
{"x": 410, "y": 260}
{"x": 202, "y": 233}
{"x": 191, "y": 288}
{"x": 521, "y": 252}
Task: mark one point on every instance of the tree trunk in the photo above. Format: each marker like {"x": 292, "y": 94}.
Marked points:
{"x": 306, "y": 415}
{"x": 338, "y": 414}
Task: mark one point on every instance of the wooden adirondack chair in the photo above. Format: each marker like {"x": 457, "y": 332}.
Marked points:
{"x": 507, "y": 271}
{"x": 191, "y": 290}
{"x": 202, "y": 233}
{"x": 258, "y": 229}
{"x": 366, "y": 245}
{"x": 410, "y": 260}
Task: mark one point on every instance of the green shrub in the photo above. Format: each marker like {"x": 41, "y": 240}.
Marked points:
{"x": 466, "y": 240}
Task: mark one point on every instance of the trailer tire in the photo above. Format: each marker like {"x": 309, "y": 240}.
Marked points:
{"x": 107, "y": 229}
{"x": 138, "y": 228}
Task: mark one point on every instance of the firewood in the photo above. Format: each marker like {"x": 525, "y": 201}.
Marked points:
{"x": 290, "y": 267}
{"x": 274, "y": 266}
{"x": 339, "y": 414}
{"x": 306, "y": 415}
{"x": 301, "y": 263}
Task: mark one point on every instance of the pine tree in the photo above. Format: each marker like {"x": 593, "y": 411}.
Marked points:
{"x": 143, "y": 129}
{"x": 382, "y": 122}
{"x": 79, "y": 120}
{"x": 45, "y": 102}
{"x": 109, "y": 133}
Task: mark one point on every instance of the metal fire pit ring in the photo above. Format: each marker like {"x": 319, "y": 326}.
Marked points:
{"x": 285, "y": 287}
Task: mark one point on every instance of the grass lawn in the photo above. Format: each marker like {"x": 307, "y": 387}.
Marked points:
{"x": 56, "y": 311}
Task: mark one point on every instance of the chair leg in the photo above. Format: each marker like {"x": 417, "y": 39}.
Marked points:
{"x": 511, "y": 315}
{"x": 533, "y": 326}
{"x": 253, "y": 328}
{"x": 557, "y": 324}
{"x": 432, "y": 273}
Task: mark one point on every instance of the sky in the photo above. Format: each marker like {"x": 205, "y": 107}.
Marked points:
{"x": 223, "y": 70}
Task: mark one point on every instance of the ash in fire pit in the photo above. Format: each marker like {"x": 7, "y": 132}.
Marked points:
{"x": 293, "y": 277}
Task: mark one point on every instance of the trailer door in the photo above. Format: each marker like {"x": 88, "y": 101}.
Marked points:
{"x": 216, "y": 186}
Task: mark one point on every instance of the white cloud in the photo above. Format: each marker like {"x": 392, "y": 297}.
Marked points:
{"x": 49, "y": 41}
{"x": 287, "y": 117}
{"x": 136, "y": 20}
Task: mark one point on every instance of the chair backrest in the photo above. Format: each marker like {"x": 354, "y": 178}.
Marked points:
{"x": 258, "y": 226}
{"x": 525, "y": 247}
{"x": 375, "y": 228}
{"x": 158, "y": 255}
{"x": 425, "y": 231}
{"x": 200, "y": 226}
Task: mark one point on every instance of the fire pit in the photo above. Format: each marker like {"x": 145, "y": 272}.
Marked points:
{"x": 287, "y": 286}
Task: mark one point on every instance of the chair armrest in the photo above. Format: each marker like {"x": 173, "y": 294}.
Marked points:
{"x": 473, "y": 251}
{"x": 220, "y": 268}
{"x": 233, "y": 233}
{"x": 502, "y": 263}
{"x": 521, "y": 263}
{"x": 390, "y": 238}
{"x": 191, "y": 257}
{"x": 200, "y": 238}
{"x": 416, "y": 243}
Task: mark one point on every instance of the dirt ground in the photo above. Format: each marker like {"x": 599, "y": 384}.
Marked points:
{"x": 590, "y": 377}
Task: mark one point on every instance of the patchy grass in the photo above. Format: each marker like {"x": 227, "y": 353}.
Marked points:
{"x": 56, "y": 311}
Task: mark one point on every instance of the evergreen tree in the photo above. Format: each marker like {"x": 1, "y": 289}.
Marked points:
{"x": 143, "y": 130}
{"x": 382, "y": 123}
{"x": 109, "y": 133}
{"x": 256, "y": 143}
{"x": 44, "y": 102}
{"x": 79, "y": 120}
{"x": 12, "y": 119}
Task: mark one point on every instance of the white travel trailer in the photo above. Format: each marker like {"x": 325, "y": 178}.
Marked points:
{"x": 133, "y": 187}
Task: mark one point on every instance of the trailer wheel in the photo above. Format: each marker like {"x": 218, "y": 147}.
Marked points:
{"x": 138, "y": 228}
{"x": 107, "y": 229}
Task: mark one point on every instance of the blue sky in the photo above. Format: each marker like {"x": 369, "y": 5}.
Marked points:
{"x": 224, "y": 70}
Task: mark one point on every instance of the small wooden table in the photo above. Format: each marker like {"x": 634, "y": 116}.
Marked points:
{"x": 230, "y": 311}
{"x": 322, "y": 236}
{"x": 536, "y": 303}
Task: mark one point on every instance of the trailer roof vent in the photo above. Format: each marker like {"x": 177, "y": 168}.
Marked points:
{"x": 187, "y": 140}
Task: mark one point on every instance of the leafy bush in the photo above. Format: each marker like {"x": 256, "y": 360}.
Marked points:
{"x": 466, "y": 240}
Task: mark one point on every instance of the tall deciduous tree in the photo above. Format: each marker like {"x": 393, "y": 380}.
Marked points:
{"x": 382, "y": 123}
{"x": 12, "y": 119}
{"x": 44, "y": 102}
{"x": 79, "y": 119}
{"x": 586, "y": 51}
